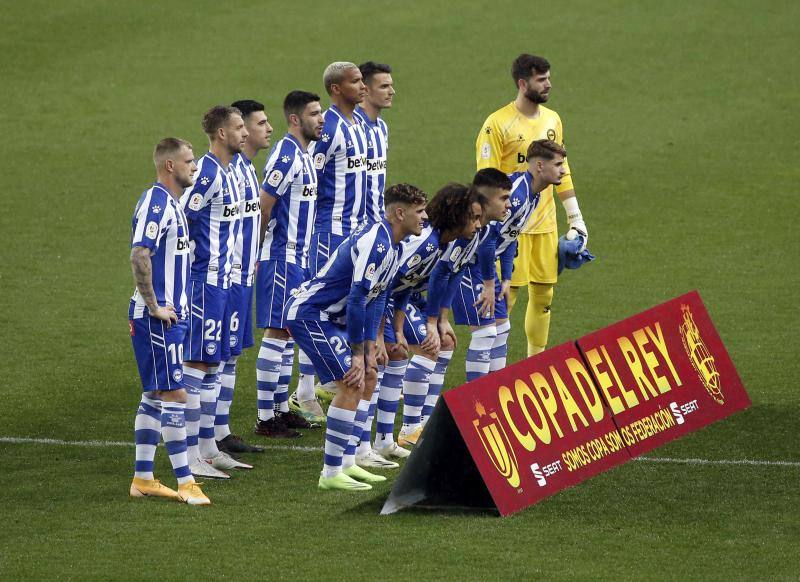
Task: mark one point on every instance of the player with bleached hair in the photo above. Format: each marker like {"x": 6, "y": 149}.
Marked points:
{"x": 158, "y": 315}
{"x": 482, "y": 299}
{"x": 340, "y": 159}
{"x": 335, "y": 318}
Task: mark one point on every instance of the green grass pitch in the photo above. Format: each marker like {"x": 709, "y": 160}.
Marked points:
{"x": 682, "y": 133}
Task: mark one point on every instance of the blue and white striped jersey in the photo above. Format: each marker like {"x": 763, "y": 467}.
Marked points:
{"x": 377, "y": 153}
{"x": 523, "y": 202}
{"x": 367, "y": 258}
{"x": 419, "y": 255}
{"x": 245, "y": 252}
{"x": 213, "y": 207}
{"x": 290, "y": 177}
{"x": 160, "y": 225}
{"x": 340, "y": 158}
{"x": 460, "y": 253}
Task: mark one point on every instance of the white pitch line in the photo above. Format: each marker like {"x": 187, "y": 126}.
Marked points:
{"x": 302, "y": 449}
{"x": 62, "y": 443}
{"x": 719, "y": 461}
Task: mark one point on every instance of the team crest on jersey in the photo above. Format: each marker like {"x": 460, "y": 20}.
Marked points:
{"x": 422, "y": 330}
{"x": 275, "y": 178}
{"x": 177, "y": 375}
{"x": 211, "y": 349}
{"x": 348, "y": 361}
{"x": 196, "y": 202}
{"x": 551, "y": 134}
{"x": 319, "y": 159}
{"x": 152, "y": 230}
{"x": 232, "y": 341}
{"x": 414, "y": 261}
{"x": 486, "y": 151}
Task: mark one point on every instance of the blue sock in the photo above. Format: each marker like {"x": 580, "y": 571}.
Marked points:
{"x": 268, "y": 371}
{"x": 282, "y": 391}
{"x": 338, "y": 430}
{"x": 479, "y": 352}
{"x": 388, "y": 399}
{"x": 208, "y": 413}
{"x": 227, "y": 380}
{"x": 436, "y": 383}
{"x": 173, "y": 430}
{"x": 147, "y": 433}
{"x": 192, "y": 381}
{"x": 415, "y": 389}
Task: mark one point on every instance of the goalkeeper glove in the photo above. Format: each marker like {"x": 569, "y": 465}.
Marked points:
{"x": 577, "y": 227}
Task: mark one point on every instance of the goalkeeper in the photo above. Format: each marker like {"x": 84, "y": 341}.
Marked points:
{"x": 502, "y": 143}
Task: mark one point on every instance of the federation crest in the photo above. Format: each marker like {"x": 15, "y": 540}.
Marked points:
{"x": 414, "y": 261}
{"x": 319, "y": 161}
{"x": 275, "y": 178}
{"x": 196, "y": 202}
{"x": 497, "y": 444}
{"x": 152, "y": 230}
{"x": 700, "y": 356}
{"x": 370, "y": 273}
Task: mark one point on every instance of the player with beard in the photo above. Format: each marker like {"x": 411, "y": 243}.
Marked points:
{"x": 502, "y": 143}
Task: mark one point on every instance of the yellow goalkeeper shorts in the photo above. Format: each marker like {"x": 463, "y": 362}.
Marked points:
{"x": 536, "y": 260}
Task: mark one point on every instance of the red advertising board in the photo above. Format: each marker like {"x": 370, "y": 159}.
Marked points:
{"x": 559, "y": 418}
{"x": 536, "y": 427}
{"x": 664, "y": 373}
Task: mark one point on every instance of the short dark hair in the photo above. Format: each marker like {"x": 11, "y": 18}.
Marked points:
{"x": 491, "y": 178}
{"x": 247, "y": 106}
{"x": 371, "y": 68}
{"x": 546, "y": 149}
{"x": 451, "y": 207}
{"x": 296, "y": 101}
{"x": 404, "y": 194}
{"x": 524, "y": 66}
{"x": 216, "y": 117}
{"x": 167, "y": 147}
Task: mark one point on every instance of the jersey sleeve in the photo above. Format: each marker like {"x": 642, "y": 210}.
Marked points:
{"x": 370, "y": 251}
{"x": 566, "y": 181}
{"x": 489, "y": 145}
{"x": 205, "y": 189}
{"x": 148, "y": 220}
{"x": 328, "y": 144}
{"x": 279, "y": 172}
{"x": 486, "y": 252}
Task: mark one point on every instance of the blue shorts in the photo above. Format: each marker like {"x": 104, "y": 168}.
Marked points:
{"x": 275, "y": 281}
{"x": 159, "y": 352}
{"x": 415, "y": 329}
{"x": 326, "y": 344}
{"x": 464, "y": 310}
{"x": 238, "y": 320}
{"x": 207, "y": 333}
{"x": 322, "y": 246}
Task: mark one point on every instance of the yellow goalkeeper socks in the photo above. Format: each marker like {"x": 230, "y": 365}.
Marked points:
{"x": 537, "y": 316}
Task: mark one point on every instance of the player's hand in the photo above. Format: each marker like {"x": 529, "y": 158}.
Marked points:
{"x": 166, "y": 314}
{"x": 381, "y": 356}
{"x": 354, "y": 377}
{"x": 576, "y": 229}
{"x": 446, "y": 330}
{"x": 400, "y": 347}
{"x": 486, "y": 300}
{"x": 432, "y": 342}
{"x": 505, "y": 291}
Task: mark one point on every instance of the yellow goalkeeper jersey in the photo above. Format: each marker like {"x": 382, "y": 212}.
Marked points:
{"x": 503, "y": 143}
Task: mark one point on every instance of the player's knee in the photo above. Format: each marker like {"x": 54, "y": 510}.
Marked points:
{"x": 397, "y": 352}
{"x": 447, "y": 344}
{"x": 273, "y": 333}
{"x": 178, "y": 396}
{"x": 542, "y": 296}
